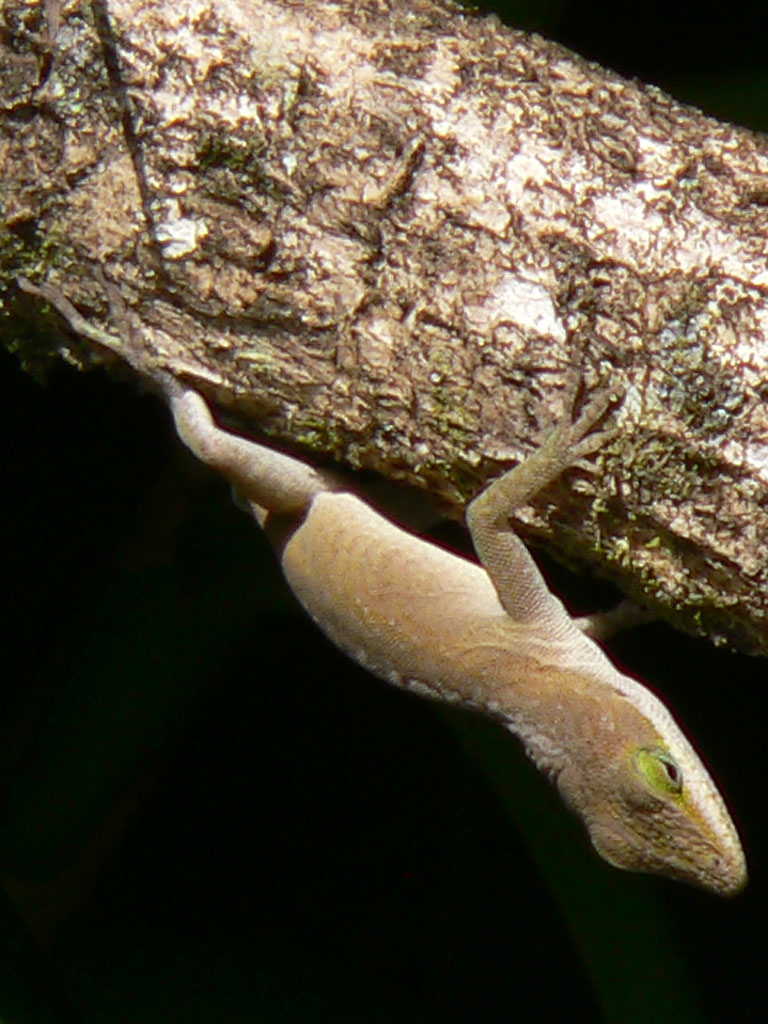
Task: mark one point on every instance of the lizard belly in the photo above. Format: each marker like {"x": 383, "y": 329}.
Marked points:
{"x": 389, "y": 599}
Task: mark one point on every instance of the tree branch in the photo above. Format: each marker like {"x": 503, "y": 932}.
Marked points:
{"x": 391, "y": 233}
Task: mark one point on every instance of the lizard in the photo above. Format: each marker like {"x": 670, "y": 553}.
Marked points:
{"x": 490, "y": 636}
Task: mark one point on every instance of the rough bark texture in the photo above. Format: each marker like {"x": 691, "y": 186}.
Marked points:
{"x": 389, "y": 232}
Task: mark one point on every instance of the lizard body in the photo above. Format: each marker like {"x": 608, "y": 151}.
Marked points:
{"x": 492, "y": 637}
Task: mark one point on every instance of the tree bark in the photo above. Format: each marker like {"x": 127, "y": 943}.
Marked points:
{"x": 392, "y": 233}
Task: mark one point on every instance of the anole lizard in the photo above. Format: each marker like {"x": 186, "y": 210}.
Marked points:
{"x": 489, "y": 636}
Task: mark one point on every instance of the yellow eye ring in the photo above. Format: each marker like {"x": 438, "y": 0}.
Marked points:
{"x": 659, "y": 769}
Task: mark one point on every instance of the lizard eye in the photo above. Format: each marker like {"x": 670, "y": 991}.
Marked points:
{"x": 659, "y": 769}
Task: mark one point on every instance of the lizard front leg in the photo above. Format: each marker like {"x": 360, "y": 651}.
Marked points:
{"x": 516, "y": 577}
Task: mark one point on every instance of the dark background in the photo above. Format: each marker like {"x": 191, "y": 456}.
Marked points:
{"x": 209, "y": 815}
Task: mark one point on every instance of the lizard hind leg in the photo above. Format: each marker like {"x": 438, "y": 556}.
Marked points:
{"x": 264, "y": 478}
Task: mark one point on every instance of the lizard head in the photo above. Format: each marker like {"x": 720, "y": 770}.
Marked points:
{"x": 646, "y": 798}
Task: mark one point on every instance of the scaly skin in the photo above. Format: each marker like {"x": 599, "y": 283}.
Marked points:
{"x": 493, "y": 638}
